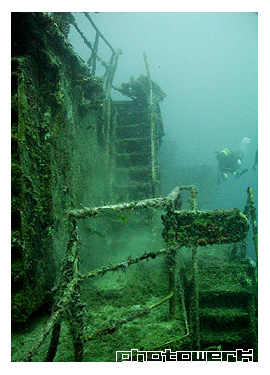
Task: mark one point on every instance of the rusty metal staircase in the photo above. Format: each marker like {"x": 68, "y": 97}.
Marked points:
{"x": 220, "y": 294}
{"x": 227, "y": 313}
{"x": 133, "y": 151}
{"x": 138, "y": 135}
{"x": 227, "y": 306}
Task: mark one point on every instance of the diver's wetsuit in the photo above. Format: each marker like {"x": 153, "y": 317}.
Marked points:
{"x": 229, "y": 163}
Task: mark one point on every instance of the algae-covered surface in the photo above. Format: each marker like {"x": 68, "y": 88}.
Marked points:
{"x": 71, "y": 148}
{"x": 114, "y": 318}
{"x": 112, "y": 298}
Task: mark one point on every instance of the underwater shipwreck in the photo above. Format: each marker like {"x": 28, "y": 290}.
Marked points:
{"x": 100, "y": 261}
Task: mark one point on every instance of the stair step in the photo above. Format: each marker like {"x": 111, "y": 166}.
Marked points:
{"x": 133, "y": 159}
{"x": 134, "y": 185}
{"x": 131, "y": 117}
{"x": 135, "y": 139}
{"x": 129, "y": 104}
{"x": 133, "y": 131}
{"x": 131, "y": 113}
{"x": 229, "y": 276}
{"x": 134, "y": 169}
{"x": 131, "y": 125}
{"x": 228, "y": 313}
{"x": 133, "y": 145}
{"x": 138, "y": 173}
{"x": 227, "y": 340}
{"x": 228, "y": 319}
{"x": 139, "y": 191}
{"x": 226, "y": 299}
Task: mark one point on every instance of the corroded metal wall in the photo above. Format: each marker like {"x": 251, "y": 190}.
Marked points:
{"x": 58, "y": 153}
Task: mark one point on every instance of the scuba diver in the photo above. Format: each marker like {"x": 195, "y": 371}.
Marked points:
{"x": 229, "y": 162}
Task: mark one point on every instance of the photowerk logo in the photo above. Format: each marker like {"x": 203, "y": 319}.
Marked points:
{"x": 134, "y": 355}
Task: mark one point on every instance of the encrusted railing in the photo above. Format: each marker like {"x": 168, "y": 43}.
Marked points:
{"x": 67, "y": 303}
{"x": 109, "y": 66}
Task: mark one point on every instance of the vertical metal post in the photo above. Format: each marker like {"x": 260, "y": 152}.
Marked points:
{"x": 194, "y": 308}
{"x": 250, "y": 211}
{"x": 171, "y": 268}
{"x": 110, "y": 123}
{"x": 195, "y": 321}
{"x": 253, "y": 220}
{"x": 152, "y": 126}
{"x": 171, "y": 263}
